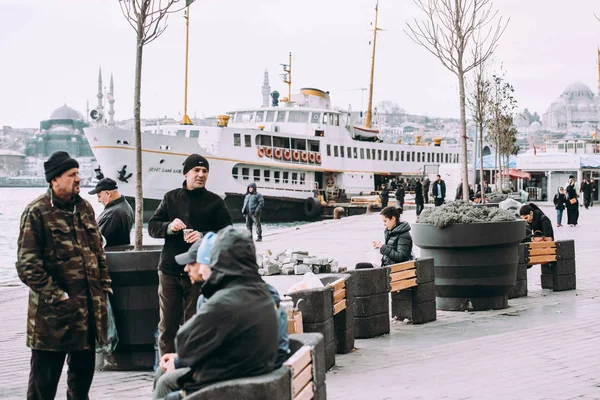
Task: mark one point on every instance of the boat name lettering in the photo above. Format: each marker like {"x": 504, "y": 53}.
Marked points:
{"x": 164, "y": 170}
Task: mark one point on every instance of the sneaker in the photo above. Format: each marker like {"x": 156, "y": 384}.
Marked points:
{"x": 259, "y": 240}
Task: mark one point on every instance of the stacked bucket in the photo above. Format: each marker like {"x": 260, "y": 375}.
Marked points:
{"x": 371, "y": 302}
{"x": 520, "y": 288}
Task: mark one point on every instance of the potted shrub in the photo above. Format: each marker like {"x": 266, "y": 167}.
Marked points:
{"x": 475, "y": 250}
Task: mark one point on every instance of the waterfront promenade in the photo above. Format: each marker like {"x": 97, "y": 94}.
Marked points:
{"x": 544, "y": 346}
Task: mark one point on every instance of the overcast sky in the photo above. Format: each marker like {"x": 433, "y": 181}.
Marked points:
{"x": 50, "y": 52}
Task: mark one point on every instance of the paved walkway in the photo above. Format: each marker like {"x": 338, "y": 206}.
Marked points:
{"x": 545, "y": 346}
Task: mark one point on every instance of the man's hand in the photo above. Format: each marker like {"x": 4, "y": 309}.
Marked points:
{"x": 177, "y": 225}
{"x": 377, "y": 245}
{"x": 193, "y": 237}
{"x": 167, "y": 362}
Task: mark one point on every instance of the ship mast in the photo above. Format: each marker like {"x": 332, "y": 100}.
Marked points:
{"x": 186, "y": 119}
{"x": 369, "y": 118}
{"x": 287, "y": 77}
{"x": 598, "y": 71}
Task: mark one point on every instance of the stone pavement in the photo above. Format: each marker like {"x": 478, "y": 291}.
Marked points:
{"x": 545, "y": 346}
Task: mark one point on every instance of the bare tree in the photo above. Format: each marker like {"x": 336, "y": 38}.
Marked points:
{"x": 148, "y": 18}
{"x": 479, "y": 100}
{"x": 450, "y": 33}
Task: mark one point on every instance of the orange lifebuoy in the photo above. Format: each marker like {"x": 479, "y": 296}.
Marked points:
{"x": 269, "y": 152}
{"x": 287, "y": 154}
{"x": 295, "y": 155}
{"x": 277, "y": 153}
{"x": 311, "y": 157}
{"x": 318, "y": 158}
{"x": 304, "y": 156}
{"x": 261, "y": 152}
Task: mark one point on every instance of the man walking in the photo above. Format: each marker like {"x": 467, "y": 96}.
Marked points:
{"x": 116, "y": 220}
{"x": 426, "y": 184}
{"x": 419, "y": 200}
{"x": 60, "y": 257}
{"x": 400, "y": 194}
{"x": 182, "y": 217}
{"x": 586, "y": 189}
{"x": 384, "y": 196}
{"x": 253, "y": 205}
{"x": 439, "y": 191}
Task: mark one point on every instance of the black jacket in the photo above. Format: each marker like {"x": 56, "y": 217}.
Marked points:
{"x": 434, "y": 189}
{"x": 199, "y": 209}
{"x": 115, "y": 222}
{"x": 419, "y": 193}
{"x": 384, "y": 195}
{"x": 542, "y": 224}
{"x": 235, "y": 332}
{"x": 400, "y": 194}
{"x": 560, "y": 201}
{"x": 398, "y": 245}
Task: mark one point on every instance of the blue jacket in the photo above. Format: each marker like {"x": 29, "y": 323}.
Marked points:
{"x": 253, "y": 202}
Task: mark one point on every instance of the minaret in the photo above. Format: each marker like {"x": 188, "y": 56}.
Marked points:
{"x": 87, "y": 111}
{"x": 599, "y": 71}
{"x": 99, "y": 95}
{"x": 266, "y": 90}
{"x": 111, "y": 103}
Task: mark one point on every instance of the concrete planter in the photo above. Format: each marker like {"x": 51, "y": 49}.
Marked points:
{"x": 475, "y": 264}
{"x": 135, "y": 305}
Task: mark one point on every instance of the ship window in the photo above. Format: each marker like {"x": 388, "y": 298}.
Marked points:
{"x": 325, "y": 118}
{"x": 276, "y": 175}
{"x": 379, "y": 154}
{"x": 561, "y": 145}
{"x": 302, "y": 178}
{"x": 368, "y": 154}
{"x": 355, "y": 152}
{"x": 341, "y": 151}
{"x": 315, "y": 118}
{"x": 234, "y": 172}
{"x": 329, "y": 150}
{"x": 256, "y": 175}
{"x": 247, "y": 116}
{"x": 280, "y": 116}
{"x": 314, "y": 145}
{"x": 245, "y": 173}
{"x": 580, "y": 145}
{"x": 319, "y": 133}
{"x": 259, "y": 116}
{"x": 446, "y": 157}
{"x": 423, "y": 156}
{"x": 385, "y": 155}
{"x": 267, "y": 175}
{"x": 362, "y": 154}
{"x": 263, "y": 140}
{"x": 181, "y": 133}
{"x": 299, "y": 144}
{"x": 413, "y": 156}
{"x": 428, "y": 157}
{"x": 298, "y": 116}
{"x": 402, "y": 155}
{"x": 331, "y": 117}
{"x": 349, "y": 152}
{"x": 418, "y": 157}
{"x": 569, "y": 145}
{"x": 408, "y": 156}
{"x": 337, "y": 120}
{"x": 397, "y": 156}
{"x": 335, "y": 151}
{"x": 282, "y": 142}
{"x": 248, "y": 140}
{"x": 270, "y": 116}
{"x": 437, "y": 157}
{"x": 294, "y": 178}
{"x": 373, "y": 154}
{"x": 237, "y": 140}
{"x": 286, "y": 176}
{"x": 194, "y": 134}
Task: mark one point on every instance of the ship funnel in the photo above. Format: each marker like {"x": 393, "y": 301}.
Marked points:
{"x": 222, "y": 120}
{"x": 418, "y": 140}
{"x": 437, "y": 141}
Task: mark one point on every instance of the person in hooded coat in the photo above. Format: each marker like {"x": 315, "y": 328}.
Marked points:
{"x": 398, "y": 242}
{"x": 541, "y": 226}
{"x": 234, "y": 334}
{"x": 252, "y": 208}
{"x": 384, "y": 196}
{"x": 572, "y": 203}
{"x": 419, "y": 200}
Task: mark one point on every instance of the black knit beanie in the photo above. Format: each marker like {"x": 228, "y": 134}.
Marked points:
{"x": 194, "y": 160}
{"x": 57, "y": 164}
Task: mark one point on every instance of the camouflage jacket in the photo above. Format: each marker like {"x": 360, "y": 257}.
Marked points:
{"x": 60, "y": 250}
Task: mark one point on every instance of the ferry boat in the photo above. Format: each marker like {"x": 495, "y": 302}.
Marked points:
{"x": 292, "y": 151}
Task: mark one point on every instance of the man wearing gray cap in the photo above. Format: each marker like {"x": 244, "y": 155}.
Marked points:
{"x": 116, "y": 220}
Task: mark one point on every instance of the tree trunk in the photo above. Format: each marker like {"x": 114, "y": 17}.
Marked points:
{"x": 139, "y": 195}
{"x": 481, "y": 162}
{"x": 463, "y": 132}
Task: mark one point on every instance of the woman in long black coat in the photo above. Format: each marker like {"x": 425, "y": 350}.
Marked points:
{"x": 572, "y": 204}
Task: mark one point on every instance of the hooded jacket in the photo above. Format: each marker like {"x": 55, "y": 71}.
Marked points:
{"x": 199, "y": 209}
{"x": 253, "y": 202}
{"x": 234, "y": 334}
{"x": 398, "y": 245}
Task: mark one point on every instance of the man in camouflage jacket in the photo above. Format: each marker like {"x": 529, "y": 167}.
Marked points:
{"x": 61, "y": 259}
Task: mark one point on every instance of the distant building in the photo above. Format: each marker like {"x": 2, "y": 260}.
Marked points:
{"x": 576, "y": 110}
{"x": 11, "y": 163}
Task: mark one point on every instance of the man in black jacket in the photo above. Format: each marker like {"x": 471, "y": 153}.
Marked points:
{"x": 235, "y": 333}
{"x": 182, "y": 217}
{"x": 438, "y": 191}
{"x": 116, "y": 220}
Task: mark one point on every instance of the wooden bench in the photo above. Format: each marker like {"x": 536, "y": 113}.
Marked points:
{"x": 339, "y": 295}
{"x": 541, "y": 252}
{"x": 300, "y": 364}
{"x": 412, "y": 290}
{"x": 403, "y": 276}
{"x": 557, "y": 259}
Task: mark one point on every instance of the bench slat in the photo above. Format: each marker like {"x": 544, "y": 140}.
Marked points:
{"x": 401, "y": 267}
{"x": 399, "y": 276}
{"x": 542, "y": 251}
{"x": 541, "y": 259}
{"x": 339, "y": 306}
{"x": 303, "y": 378}
{"x": 299, "y": 360}
{"x": 306, "y": 394}
{"x": 537, "y": 245}
{"x": 339, "y": 284}
{"x": 339, "y": 295}
{"x": 405, "y": 284}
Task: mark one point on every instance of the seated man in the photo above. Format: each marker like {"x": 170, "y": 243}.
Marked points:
{"x": 234, "y": 333}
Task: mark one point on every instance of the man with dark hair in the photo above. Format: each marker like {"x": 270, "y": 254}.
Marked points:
{"x": 438, "y": 191}
{"x": 60, "y": 257}
{"x": 182, "y": 217}
{"x": 116, "y": 220}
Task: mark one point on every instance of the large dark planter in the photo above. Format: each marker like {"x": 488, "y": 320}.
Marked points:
{"x": 475, "y": 264}
{"x": 135, "y": 305}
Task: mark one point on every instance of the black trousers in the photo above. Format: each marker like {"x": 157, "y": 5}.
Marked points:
{"x": 438, "y": 201}
{"x": 46, "y": 368}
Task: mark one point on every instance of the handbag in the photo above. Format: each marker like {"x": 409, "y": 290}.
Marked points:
{"x": 573, "y": 200}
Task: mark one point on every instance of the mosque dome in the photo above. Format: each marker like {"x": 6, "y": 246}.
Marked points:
{"x": 582, "y": 107}
{"x": 65, "y": 112}
{"x": 535, "y": 126}
{"x": 578, "y": 89}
